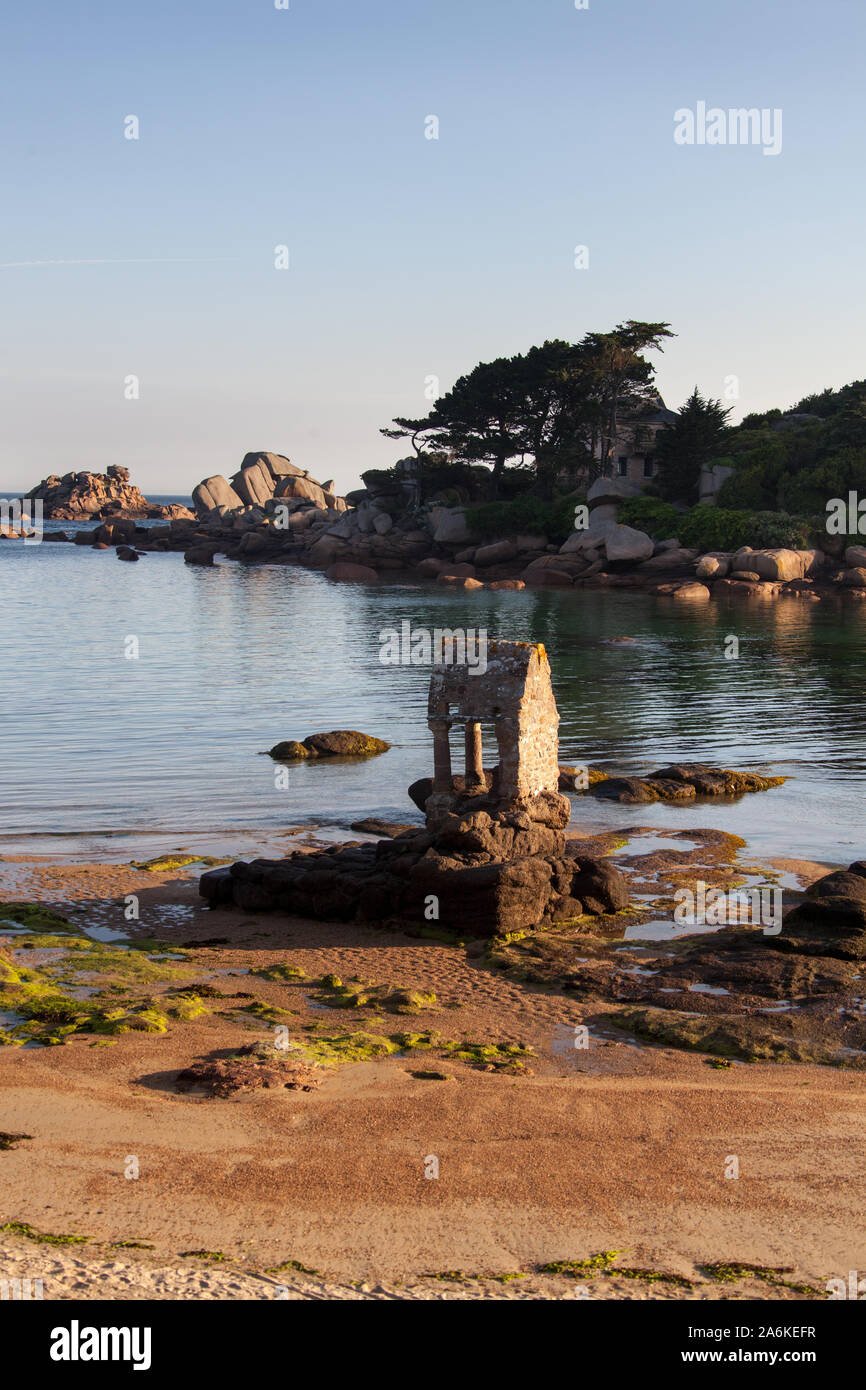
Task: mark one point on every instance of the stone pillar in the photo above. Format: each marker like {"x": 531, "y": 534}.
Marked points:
{"x": 474, "y": 755}
{"x": 441, "y": 757}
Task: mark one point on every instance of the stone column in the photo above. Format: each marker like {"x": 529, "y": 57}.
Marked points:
{"x": 441, "y": 757}
{"x": 474, "y": 755}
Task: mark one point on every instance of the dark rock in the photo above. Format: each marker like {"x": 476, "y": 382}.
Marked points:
{"x": 831, "y": 920}
{"x": 631, "y": 790}
{"x": 345, "y": 743}
{"x": 420, "y": 791}
{"x": 600, "y": 886}
{"x": 350, "y": 573}
{"x": 385, "y": 829}
{"x": 681, "y": 782}
{"x": 200, "y": 555}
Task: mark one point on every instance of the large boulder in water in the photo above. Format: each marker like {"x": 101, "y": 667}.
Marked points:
{"x": 339, "y": 743}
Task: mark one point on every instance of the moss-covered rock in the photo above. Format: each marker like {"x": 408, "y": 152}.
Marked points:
{"x": 680, "y": 782}
{"x": 163, "y": 863}
{"x": 35, "y": 917}
{"x": 745, "y": 1037}
{"x": 339, "y": 743}
{"x": 289, "y": 751}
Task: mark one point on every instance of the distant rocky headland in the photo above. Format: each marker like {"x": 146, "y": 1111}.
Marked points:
{"x": 79, "y": 496}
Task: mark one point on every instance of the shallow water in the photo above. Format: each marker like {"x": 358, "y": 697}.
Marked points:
{"x": 107, "y": 757}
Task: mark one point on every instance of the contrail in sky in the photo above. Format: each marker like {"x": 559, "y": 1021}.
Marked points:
{"x": 126, "y": 260}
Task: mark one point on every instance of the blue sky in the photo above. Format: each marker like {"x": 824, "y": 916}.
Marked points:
{"x": 409, "y": 257}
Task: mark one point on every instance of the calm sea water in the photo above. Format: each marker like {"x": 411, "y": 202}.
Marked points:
{"x": 108, "y": 756}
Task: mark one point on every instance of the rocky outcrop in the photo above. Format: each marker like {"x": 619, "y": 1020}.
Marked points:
{"x": 82, "y": 495}
{"x": 339, "y": 743}
{"x": 487, "y": 874}
{"x": 262, "y": 481}
{"x": 832, "y": 919}
{"x": 714, "y": 565}
{"x": 451, "y": 526}
{"x": 679, "y": 782}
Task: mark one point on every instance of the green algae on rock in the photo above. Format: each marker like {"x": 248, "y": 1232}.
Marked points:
{"x": 27, "y": 1232}
{"x": 10, "y": 1141}
{"x": 47, "y": 1002}
{"x": 289, "y": 973}
{"x": 339, "y": 743}
{"x": 579, "y": 1269}
{"x": 728, "y": 1272}
{"x": 679, "y": 782}
{"x": 35, "y": 917}
{"x": 165, "y": 862}
{"x": 744, "y": 1037}
{"x": 297, "y": 1267}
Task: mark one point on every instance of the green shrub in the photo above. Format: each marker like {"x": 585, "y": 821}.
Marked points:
{"x": 524, "y": 514}
{"x": 659, "y": 519}
{"x": 745, "y": 490}
{"x": 719, "y": 528}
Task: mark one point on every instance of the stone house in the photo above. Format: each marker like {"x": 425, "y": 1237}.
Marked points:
{"x": 634, "y": 452}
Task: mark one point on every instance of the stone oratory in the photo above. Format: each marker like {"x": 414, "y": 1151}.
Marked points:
{"x": 493, "y": 856}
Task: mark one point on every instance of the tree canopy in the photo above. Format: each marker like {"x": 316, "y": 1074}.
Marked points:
{"x": 690, "y": 441}
{"x": 556, "y": 405}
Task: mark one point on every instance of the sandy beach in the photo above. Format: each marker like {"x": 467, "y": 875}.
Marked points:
{"x": 610, "y": 1158}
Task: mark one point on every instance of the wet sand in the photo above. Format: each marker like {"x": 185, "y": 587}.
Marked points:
{"x": 620, "y": 1147}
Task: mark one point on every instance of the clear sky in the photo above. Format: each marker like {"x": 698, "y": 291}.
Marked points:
{"x": 409, "y": 257}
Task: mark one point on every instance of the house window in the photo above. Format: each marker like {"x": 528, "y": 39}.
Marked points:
{"x": 648, "y": 466}
{"x": 623, "y": 465}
